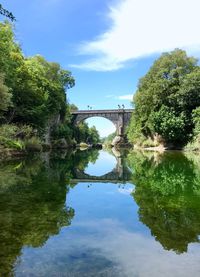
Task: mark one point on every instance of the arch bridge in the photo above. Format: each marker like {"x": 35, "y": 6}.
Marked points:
{"x": 120, "y": 174}
{"x": 119, "y": 117}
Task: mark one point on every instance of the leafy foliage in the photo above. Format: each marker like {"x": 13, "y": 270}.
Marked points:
{"x": 107, "y": 141}
{"x": 5, "y": 96}
{"x": 18, "y": 137}
{"x": 82, "y": 133}
{"x": 165, "y": 99}
{"x": 33, "y": 91}
{"x": 168, "y": 125}
{"x": 196, "y": 120}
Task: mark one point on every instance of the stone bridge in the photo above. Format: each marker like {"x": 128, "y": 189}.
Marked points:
{"x": 119, "y": 117}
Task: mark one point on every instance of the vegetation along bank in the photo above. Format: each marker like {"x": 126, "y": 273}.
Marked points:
{"x": 34, "y": 110}
{"x": 167, "y": 104}
{"x": 35, "y": 113}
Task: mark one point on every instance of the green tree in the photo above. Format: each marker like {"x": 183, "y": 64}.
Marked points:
{"x": 38, "y": 87}
{"x": 170, "y": 88}
{"x": 5, "y": 96}
{"x": 40, "y": 93}
{"x": 196, "y": 120}
{"x": 83, "y": 133}
{"x": 11, "y": 56}
{"x": 34, "y": 91}
{"x": 94, "y": 135}
{"x": 168, "y": 125}
{"x": 6, "y": 13}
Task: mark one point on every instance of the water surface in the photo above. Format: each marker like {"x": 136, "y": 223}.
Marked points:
{"x": 93, "y": 213}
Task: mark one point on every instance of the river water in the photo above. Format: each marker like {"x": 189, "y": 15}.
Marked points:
{"x": 97, "y": 213}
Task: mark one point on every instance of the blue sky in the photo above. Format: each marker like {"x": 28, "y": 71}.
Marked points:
{"x": 107, "y": 44}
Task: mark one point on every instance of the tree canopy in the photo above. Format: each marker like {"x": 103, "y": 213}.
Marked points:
{"x": 165, "y": 99}
{"x": 33, "y": 94}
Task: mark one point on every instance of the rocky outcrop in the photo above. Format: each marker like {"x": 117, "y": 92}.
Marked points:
{"x": 120, "y": 141}
{"x": 52, "y": 123}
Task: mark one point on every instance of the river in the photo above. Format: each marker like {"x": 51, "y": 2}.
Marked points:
{"x": 97, "y": 213}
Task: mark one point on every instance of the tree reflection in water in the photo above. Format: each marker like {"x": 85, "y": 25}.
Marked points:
{"x": 168, "y": 195}
{"x": 33, "y": 202}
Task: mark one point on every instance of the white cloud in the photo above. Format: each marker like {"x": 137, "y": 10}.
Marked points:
{"x": 128, "y": 97}
{"x": 143, "y": 27}
{"x": 125, "y": 97}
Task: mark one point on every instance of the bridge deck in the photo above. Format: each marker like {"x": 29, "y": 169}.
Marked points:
{"x": 102, "y": 111}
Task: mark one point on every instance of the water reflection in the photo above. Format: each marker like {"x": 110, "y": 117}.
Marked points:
{"x": 32, "y": 208}
{"x": 108, "y": 169}
{"x": 108, "y": 234}
{"x": 168, "y": 195}
{"x": 33, "y": 203}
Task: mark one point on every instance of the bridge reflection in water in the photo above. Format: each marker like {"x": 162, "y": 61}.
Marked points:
{"x": 120, "y": 174}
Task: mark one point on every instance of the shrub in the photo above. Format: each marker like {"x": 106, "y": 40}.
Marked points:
{"x": 9, "y": 143}
{"x": 33, "y": 144}
{"x": 169, "y": 126}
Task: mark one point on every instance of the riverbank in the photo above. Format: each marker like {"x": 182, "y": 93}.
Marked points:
{"x": 162, "y": 148}
{"x": 9, "y": 153}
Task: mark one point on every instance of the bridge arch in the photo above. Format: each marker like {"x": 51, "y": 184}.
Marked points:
{"x": 103, "y": 125}
{"x": 120, "y": 118}
{"x": 82, "y": 118}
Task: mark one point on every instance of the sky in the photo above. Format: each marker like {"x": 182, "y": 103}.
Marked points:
{"x": 108, "y": 45}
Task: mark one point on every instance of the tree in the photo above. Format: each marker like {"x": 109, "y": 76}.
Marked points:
{"x": 196, "y": 121}
{"x": 168, "y": 125}
{"x": 40, "y": 93}
{"x": 6, "y": 13}
{"x": 5, "y": 96}
{"x": 165, "y": 99}
{"x": 94, "y": 135}
{"x": 73, "y": 108}
{"x": 11, "y": 56}
{"x": 33, "y": 90}
{"x": 38, "y": 87}
{"x": 82, "y": 133}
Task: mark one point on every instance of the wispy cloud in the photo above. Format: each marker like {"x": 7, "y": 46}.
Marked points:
{"x": 128, "y": 97}
{"x": 143, "y": 27}
{"x": 125, "y": 97}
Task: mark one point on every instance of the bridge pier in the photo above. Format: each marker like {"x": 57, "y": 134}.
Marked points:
{"x": 121, "y": 125}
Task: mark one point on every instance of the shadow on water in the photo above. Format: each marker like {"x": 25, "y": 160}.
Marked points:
{"x": 34, "y": 192}
{"x": 167, "y": 191}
